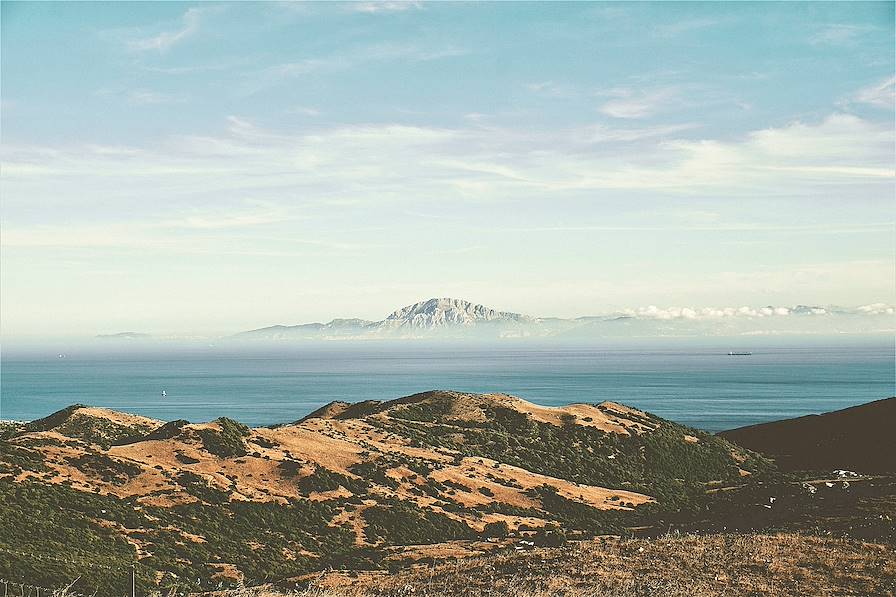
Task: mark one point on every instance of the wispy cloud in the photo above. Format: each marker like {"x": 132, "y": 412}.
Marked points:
{"x": 141, "y": 97}
{"x": 880, "y": 95}
{"x": 277, "y": 74}
{"x": 550, "y": 89}
{"x": 627, "y": 102}
{"x": 389, "y": 164}
{"x": 190, "y": 69}
{"x": 260, "y": 214}
{"x": 384, "y": 6}
{"x": 164, "y": 40}
{"x": 127, "y": 236}
{"x": 132, "y": 96}
{"x": 304, "y": 111}
{"x": 839, "y": 34}
{"x": 833, "y": 230}
{"x": 601, "y": 133}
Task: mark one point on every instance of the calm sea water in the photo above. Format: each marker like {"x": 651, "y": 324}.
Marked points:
{"x": 700, "y": 387}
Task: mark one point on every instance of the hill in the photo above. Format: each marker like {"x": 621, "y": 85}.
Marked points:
{"x": 195, "y": 506}
{"x": 858, "y": 439}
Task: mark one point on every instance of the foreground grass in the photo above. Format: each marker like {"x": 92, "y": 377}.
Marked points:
{"x": 673, "y": 566}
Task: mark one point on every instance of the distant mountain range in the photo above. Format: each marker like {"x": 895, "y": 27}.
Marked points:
{"x": 457, "y": 318}
{"x": 124, "y": 336}
{"x": 448, "y": 318}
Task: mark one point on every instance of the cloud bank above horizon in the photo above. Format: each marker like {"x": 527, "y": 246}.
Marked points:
{"x": 222, "y": 166}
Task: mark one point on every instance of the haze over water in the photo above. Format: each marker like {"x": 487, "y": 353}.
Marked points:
{"x": 699, "y": 386}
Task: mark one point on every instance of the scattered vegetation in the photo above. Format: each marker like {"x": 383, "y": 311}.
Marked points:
{"x": 659, "y": 463}
{"x": 227, "y": 442}
{"x": 42, "y": 521}
{"x": 108, "y": 469}
{"x": 393, "y": 495}
{"x": 725, "y": 565}
{"x": 323, "y": 479}
{"x": 14, "y": 459}
{"x": 496, "y": 530}
{"x": 397, "y": 523}
{"x": 94, "y": 429}
{"x": 184, "y": 459}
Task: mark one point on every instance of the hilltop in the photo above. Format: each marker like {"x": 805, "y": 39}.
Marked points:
{"x": 198, "y": 505}
{"x": 860, "y": 438}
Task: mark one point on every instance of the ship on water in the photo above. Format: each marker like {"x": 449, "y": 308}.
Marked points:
{"x": 739, "y": 354}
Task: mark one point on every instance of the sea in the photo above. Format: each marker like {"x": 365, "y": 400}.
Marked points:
{"x": 699, "y": 386}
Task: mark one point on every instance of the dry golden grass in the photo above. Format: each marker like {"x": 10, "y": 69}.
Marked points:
{"x": 336, "y": 445}
{"x": 583, "y": 414}
{"x": 680, "y": 566}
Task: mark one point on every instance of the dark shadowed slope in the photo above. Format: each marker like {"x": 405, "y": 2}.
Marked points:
{"x": 861, "y": 438}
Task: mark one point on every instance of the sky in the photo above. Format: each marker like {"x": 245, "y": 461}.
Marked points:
{"x": 208, "y": 168}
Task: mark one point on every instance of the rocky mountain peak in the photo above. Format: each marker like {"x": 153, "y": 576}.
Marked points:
{"x": 439, "y": 312}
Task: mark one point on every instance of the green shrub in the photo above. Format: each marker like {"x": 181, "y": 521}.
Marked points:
{"x": 323, "y": 479}
{"x": 108, "y": 469}
{"x": 399, "y": 523}
{"x": 498, "y": 529}
{"x": 228, "y": 442}
{"x": 550, "y": 538}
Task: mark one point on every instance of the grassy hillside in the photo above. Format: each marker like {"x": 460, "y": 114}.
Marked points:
{"x": 670, "y": 566}
{"x": 198, "y": 506}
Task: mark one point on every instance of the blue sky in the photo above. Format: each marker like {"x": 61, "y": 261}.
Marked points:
{"x": 173, "y": 167}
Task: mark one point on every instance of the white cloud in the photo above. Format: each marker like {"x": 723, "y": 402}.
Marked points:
{"x": 550, "y": 89}
{"x": 841, "y": 147}
{"x": 393, "y": 162}
{"x": 636, "y": 103}
{"x": 276, "y": 74}
{"x": 203, "y": 231}
{"x": 210, "y": 219}
{"x": 384, "y": 6}
{"x": 301, "y": 67}
{"x": 142, "y": 97}
{"x": 881, "y": 95}
{"x": 601, "y": 133}
{"x": 304, "y": 111}
{"x": 166, "y": 39}
{"x": 877, "y": 309}
{"x": 839, "y": 34}
{"x": 826, "y": 140}
{"x": 716, "y": 313}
